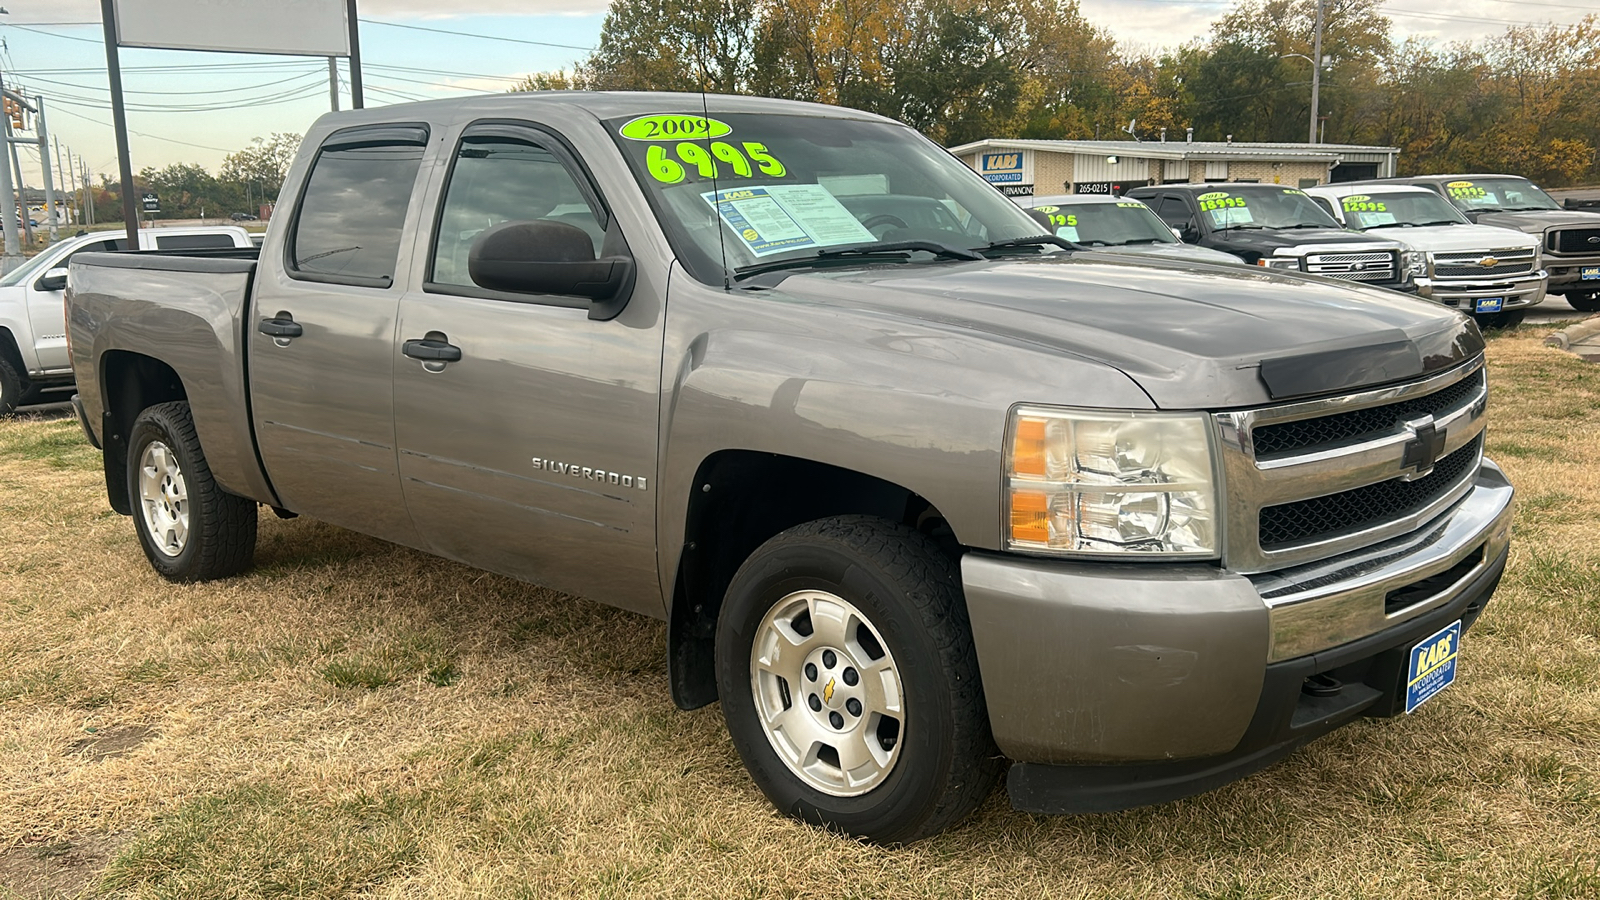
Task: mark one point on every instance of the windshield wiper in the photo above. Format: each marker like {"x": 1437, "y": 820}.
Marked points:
{"x": 1037, "y": 240}
{"x": 1302, "y": 225}
{"x": 1391, "y": 225}
{"x": 1438, "y": 222}
{"x": 900, "y": 250}
{"x": 1131, "y": 241}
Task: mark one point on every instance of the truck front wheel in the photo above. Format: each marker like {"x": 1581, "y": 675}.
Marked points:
{"x": 10, "y": 388}
{"x": 191, "y": 529}
{"x": 1584, "y": 301}
{"x": 849, "y": 681}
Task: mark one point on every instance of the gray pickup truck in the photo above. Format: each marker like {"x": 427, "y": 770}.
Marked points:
{"x": 917, "y": 489}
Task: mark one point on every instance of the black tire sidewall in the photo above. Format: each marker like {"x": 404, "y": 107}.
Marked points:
{"x": 155, "y": 424}
{"x": 10, "y": 388}
{"x": 912, "y": 790}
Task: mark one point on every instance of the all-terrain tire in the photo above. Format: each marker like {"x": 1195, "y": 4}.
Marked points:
{"x": 1587, "y": 301}
{"x": 11, "y": 389}
{"x": 190, "y": 528}
{"x": 907, "y": 595}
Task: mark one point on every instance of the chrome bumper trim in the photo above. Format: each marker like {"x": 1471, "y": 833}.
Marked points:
{"x": 1334, "y": 601}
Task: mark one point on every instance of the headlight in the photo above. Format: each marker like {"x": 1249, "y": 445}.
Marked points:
{"x": 1414, "y": 262}
{"x": 1280, "y": 262}
{"x": 1110, "y": 483}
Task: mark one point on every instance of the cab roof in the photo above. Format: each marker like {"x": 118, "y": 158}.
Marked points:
{"x": 600, "y": 104}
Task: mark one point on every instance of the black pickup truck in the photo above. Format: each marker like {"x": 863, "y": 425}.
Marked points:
{"x": 1279, "y": 228}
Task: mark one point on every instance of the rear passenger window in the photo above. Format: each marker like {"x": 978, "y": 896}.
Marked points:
{"x": 192, "y": 241}
{"x": 353, "y": 207}
{"x": 499, "y": 179}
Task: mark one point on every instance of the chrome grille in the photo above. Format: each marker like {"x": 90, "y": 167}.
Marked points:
{"x": 1274, "y": 441}
{"x": 1575, "y": 240}
{"x": 1312, "y": 479}
{"x": 1305, "y": 521}
{"x": 1375, "y": 267}
{"x": 1471, "y": 265}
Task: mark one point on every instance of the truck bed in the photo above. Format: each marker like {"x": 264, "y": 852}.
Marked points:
{"x": 186, "y": 309}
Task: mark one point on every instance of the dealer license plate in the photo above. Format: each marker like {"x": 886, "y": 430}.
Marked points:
{"x": 1433, "y": 665}
{"x": 1489, "y": 304}
{"x": 1590, "y": 273}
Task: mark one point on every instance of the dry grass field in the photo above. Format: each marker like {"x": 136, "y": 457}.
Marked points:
{"x": 355, "y": 719}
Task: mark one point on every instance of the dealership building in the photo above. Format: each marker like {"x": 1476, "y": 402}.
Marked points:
{"x": 1024, "y": 168}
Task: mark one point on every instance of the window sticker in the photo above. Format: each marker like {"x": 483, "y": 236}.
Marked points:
{"x": 1226, "y": 211}
{"x": 674, "y": 128}
{"x": 1465, "y": 190}
{"x": 1363, "y": 203}
{"x": 781, "y": 217}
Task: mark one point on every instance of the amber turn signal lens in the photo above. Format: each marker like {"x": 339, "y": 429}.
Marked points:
{"x": 1028, "y": 448}
{"x": 1030, "y": 516}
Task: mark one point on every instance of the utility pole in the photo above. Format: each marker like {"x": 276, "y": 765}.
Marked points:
{"x": 88, "y": 187}
{"x": 16, "y": 173}
{"x": 66, "y": 181}
{"x": 1316, "y": 73}
{"x": 8, "y": 203}
{"x": 43, "y": 133}
{"x": 333, "y": 83}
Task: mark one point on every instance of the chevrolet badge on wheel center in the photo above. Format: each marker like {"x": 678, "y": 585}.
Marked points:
{"x": 924, "y": 494}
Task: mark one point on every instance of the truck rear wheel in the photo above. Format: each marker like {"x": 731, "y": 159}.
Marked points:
{"x": 10, "y": 388}
{"x": 191, "y": 529}
{"x": 849, "y": 681}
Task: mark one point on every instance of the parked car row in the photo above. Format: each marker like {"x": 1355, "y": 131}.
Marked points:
{"x": 1489, "y": 245}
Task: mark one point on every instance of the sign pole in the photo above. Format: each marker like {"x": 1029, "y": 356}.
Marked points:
{"x": 119, "y": 122}
{"x": 356, "y": 100}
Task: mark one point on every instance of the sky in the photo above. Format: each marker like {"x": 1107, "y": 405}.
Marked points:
{"x": 195, "y": 107}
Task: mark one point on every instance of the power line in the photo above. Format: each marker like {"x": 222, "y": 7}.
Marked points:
{"x": 233, "y": 90}
{"x": 142, "y": 134}
{"x": 486, "y": 37}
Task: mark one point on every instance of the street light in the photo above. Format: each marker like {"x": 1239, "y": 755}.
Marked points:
{"x": 1316, "y": 82}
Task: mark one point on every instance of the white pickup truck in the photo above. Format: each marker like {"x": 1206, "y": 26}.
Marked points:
{"x": 33, "y": 333}
{"x": 1493, "y": 274}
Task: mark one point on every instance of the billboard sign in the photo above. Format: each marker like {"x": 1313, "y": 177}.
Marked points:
{"x": 291, "y": 27}
{"x": 152, "y": 203}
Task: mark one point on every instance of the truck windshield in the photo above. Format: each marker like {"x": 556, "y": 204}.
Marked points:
{"x": 23, "y": 272}
{"x": 1263, "y": 207}
{"x": 1104, "y": 224}
{"x": 738, "y": 189}
{"x": 1498, "y": 195}
{"x": 1409, "y": 209}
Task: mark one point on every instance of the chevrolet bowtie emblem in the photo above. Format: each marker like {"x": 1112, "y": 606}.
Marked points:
{"x": 1488, "y": 262}
{"x": 1425, "y": 446}
{"x": 827, "y": 692}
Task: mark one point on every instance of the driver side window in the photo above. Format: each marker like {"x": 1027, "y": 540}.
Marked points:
{"x": 498, "y": 179}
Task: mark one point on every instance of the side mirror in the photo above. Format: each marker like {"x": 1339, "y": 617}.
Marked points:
{"x": 53, "y": 280}
{"x": 543, "y": 257}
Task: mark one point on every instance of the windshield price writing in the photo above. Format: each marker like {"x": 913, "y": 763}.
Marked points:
{"x": 671, "y": 171}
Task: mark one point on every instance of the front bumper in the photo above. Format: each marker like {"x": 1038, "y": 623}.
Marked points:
{"x": 1566, "y": 273}
{"x": 1121, "y": 685}
{"x": 1518, "y": 293}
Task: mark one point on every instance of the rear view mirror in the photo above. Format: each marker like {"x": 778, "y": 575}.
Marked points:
{"x": 543, "y": 257}
{"x": 53, "y": 280}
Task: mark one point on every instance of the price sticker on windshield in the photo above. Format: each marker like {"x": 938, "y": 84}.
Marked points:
{"x": 1219, "y": 200}
{"x": 1465, "y": 190}
{"x": 686, "y": 147}
{"x": 1363, "y": 203}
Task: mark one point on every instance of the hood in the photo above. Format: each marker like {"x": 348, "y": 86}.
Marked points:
{"x": 1268, "y": 240}
{"x": 1535, "y": 221}
{"x": 1459, "y": 238}
{"x": 1192, "y": 335}
{"x": 1173, "y": 251}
